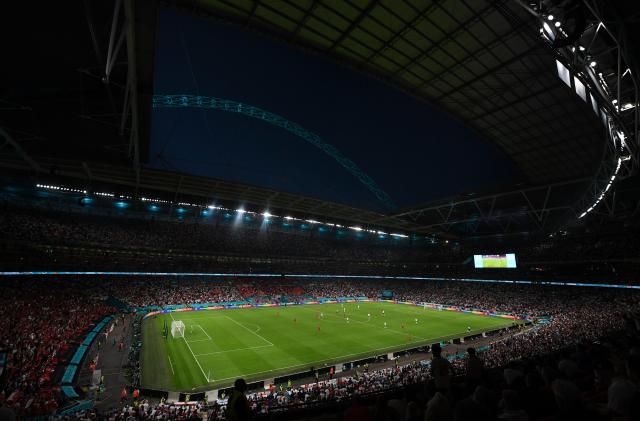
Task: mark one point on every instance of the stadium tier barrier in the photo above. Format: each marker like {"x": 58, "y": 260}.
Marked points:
{"x": 80, "y": 406}
{"x": 320, "y": 276}
{"x": 317, "y": 276}
{"x": 69, "y": 392}
{"x": 223, "y": 401}
{"x": 74, "y": 363}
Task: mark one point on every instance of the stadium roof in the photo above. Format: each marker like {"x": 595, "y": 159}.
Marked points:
{"x": 482, "y": 61}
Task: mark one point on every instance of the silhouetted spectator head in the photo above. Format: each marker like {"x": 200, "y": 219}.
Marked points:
{"x": 567, "y": 395}
{"x": 240, "y": 385}
{"x": 438, "y": 408}
{"x": 622, "y": 395}
{"x": 510, "y": 400}
{"x": 436, "y": 350}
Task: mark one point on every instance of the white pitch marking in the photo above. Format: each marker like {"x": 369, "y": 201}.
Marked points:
{"x": 235, "y": 349}
{"x": 171, "y": 364}
{"x": 241, "y": 325}
{"x": 201, "y": 340}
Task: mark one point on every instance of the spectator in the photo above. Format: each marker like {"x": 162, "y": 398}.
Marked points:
{"x": 441, "y": 370}
{"x": 238, "y": 407}
{"x": 475, "y": 368}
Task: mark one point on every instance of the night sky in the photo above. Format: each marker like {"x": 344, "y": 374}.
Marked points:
{"x": 413, "y": 151}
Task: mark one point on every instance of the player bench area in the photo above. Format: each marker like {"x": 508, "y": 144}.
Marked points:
{"x": 209, "y": 349}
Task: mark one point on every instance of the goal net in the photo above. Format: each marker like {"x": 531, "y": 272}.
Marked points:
{"x": 177, "y": 329}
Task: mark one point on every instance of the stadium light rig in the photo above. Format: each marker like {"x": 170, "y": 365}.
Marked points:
{"x": 60, "y": 188}
{"x": 578, "y": 37}
{"x": 146, "y": 199}
{"x": 123, "y": 202}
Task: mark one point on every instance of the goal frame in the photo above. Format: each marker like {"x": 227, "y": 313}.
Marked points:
{"x": 177, "y": 329}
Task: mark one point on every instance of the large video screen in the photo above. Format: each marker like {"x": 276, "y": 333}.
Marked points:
{"x": 494, "y": 260}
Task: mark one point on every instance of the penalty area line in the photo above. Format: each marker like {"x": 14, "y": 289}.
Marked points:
{"x": 234, "y": 350}
{"x": 241, "y": 325}
{"x": 204, "y": 331}
{"x": 201, "y": 340}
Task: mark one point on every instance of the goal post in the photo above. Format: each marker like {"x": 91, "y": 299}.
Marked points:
{"x": 177, "y": 329}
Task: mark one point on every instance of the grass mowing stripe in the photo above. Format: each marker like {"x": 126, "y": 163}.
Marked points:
{"x": 154, "y": 366}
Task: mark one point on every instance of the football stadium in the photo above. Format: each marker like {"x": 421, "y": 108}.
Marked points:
{"x": 320, "y": 210}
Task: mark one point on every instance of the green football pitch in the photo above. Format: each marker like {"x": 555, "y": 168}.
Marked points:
{"x": 260, "y": 343}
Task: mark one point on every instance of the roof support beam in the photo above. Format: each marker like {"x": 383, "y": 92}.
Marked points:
{"x": 18, "y": 149}
{"x": 114, "y": 46}
{"x": 353, "y": 25}
{"x": 453, "y": 202}
{"x": 302, "y": 22}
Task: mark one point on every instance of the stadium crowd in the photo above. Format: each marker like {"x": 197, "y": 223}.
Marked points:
{"x": 40, "y": 325}
{"x": 554, "y": 361}
{"x": 162, "y": 291}
{"x": 203, "y": 236}
{"x": 541, "y": 378}
{"x": 529, "y": 376}
{"x": 139, "y": 242}
{"x": 39, "y": 329}
{"x": 530, "y": 300}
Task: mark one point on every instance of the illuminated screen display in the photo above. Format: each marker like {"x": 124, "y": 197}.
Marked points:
{"x": 494, "y": 260}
